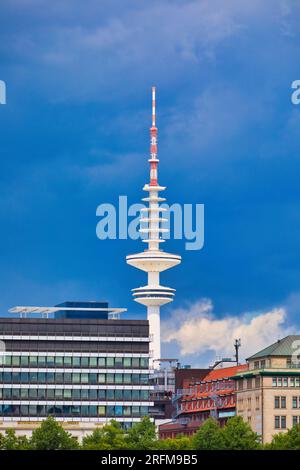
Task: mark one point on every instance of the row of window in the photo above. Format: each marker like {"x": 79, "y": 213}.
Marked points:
{"x": 77, "y": 361}
{"x": 286, "y": 381}
{"x": 72, "y": 394}
{"x": 280, "y": 421}
{"x": 73, "y": 410}
{"x": 73, "y": 378}
{"x": 281, "y": 402}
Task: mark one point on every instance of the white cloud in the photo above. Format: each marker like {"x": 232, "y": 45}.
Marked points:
{"x": 197, "y": 330}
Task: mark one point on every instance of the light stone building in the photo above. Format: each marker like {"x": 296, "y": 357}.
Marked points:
{"x": 268, "y": 392}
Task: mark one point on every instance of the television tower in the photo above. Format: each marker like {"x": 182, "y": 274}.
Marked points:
{"x": 153, "y": 260}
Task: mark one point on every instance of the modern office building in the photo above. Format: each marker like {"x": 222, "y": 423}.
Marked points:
{"x": 212, "y": 394}
{"x": 268, "y": 391}
{"x": 83, "y": 371}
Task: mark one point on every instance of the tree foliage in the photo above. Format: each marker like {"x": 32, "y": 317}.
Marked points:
{"x": 238, "y": 435}
{"x": 109, "y": 437}
{"x": 289, "y": 440}
{"x": 235, "y": 435}
{"x": 142, "y": 435}
{"x": 209, "y": 436}
{"x": 52, "y": 436}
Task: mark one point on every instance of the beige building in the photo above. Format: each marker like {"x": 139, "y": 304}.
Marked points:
{"x": 268, "y": 392}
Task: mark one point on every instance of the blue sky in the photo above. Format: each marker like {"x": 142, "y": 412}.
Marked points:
{"x": 74, "y": 134}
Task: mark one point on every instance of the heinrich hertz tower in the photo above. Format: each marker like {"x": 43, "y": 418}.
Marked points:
{"x": 153, "y": 260}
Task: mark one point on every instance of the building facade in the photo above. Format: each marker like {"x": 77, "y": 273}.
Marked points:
{"x": 79, "y": 371}
{"x": 268, "y": 392}
{"x": 212, "y": 395}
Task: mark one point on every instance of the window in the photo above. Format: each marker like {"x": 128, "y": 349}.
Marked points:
{"x": 110, "y": 362}
{"x": 295, "y": 402}
{"x": 33, "y": 361}
{"x": 32, "y": 393}
{"x": 279, "y": 381}
{"x": 241, "y": 384}
{"x": 68, "y": 361}
{"x": 297, "y": 381}
{"x": 118, "y": 362}
{"x": 127, "y": 362}
{"x": 76, "y": 378}
{"x": 292, "y": 382}
{"x": 101, "y": 378}
{"x": 24, "y": 361}
{"x": 84, "y": 394}
{"x": 285, "y": 382}
{"x": 101, "y": 410}
{"x": 67, "y": 393}
{"x": 15, "y": 361}
{"x": 110, "y": 378}
{"x": 101, "y": 362}
{"x": 119, "y": 394}
{"x": 41, "y": 361}
{"x": 280, "y": 422}
{"x": 58, "y": 393}
{"x": 135, "y": 363}
{"x": 118, "y": 378}
{"x": 85, "y": 362}
{"x": 127, "y": 394}
{"x": 296, "y": 420}
{"x": 110, "y": 410}
{"x": 135, "y": 411}
{"x": 93, "y": 379}
{"x": 283, "y": 402}
{"x": 135, "y": 395}
{"x": 127, "y": 378}
{"x": 126, "y": 410}
{"x": 144, "y": 395}
{"x": 263, "y": 363}
{"x": 84, "y": 378}
{"x": 59, "y": 361}
{"x": 76, "y": 394}
{"x": 76, "y": 361}
{"x": 93, "y": 362}
{"x": 118, "y": 410}
{"x": 101, "y": 394}
{"x": 50, "y": 361}
{"x": 93, "y": 394}
{"x": 51, "y": 394}
{"x": 276, "y": 402}
{"x": 8, "y": 360}
{"x": 274, "y": 381}
{"x": 110, "y": 394}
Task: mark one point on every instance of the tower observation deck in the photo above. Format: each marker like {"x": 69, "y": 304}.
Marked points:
{"x": 153, "y": 260}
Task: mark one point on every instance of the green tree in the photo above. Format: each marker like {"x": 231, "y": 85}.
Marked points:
{"x": 142, "y": 435}
{"x": 286, "y": 441}
{"x": 52, "y": 436}
{"x": 238, "y": 435}
{"x": 109, "y": 437}
{"x": 209, "y": 436}
{"x": 178, "y": 443}
{"x": 12, "y": 442}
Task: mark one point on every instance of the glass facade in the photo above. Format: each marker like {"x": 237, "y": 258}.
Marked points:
{"x": 86, "y": 377}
